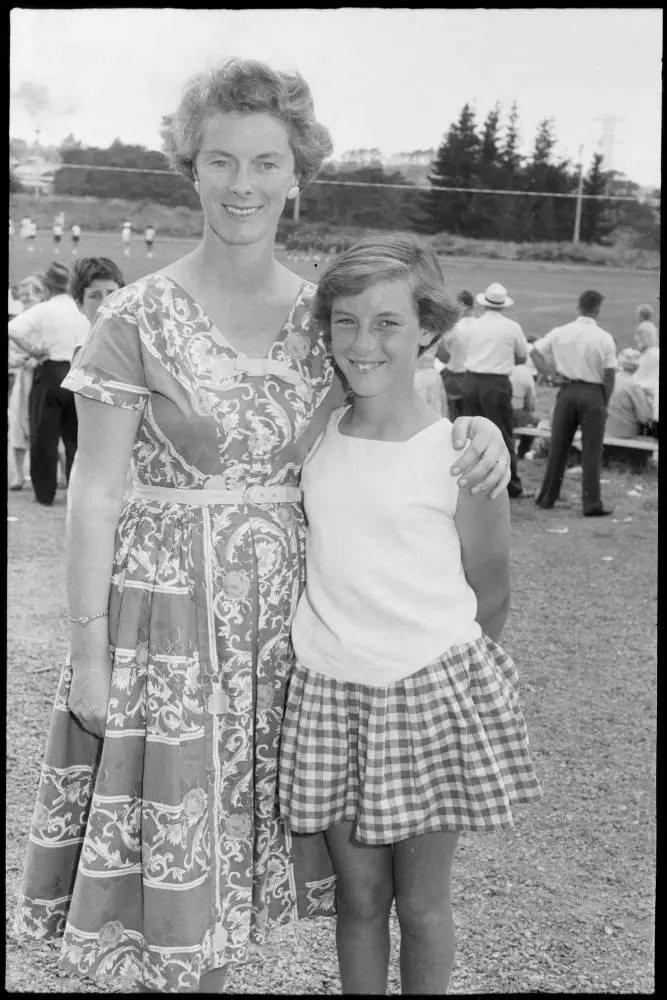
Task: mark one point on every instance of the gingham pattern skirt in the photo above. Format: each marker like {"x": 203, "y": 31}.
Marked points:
{"x": 443, "y": 749}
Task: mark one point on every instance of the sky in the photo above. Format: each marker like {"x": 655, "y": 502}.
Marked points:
{"x": 391, "y": 78}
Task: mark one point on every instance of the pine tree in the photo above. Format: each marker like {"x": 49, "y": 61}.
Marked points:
{"x": 510, "y": 207}
{"x": 482, "y": 219}
{"x": 596, "y": 220}
{"x": 549, "y": 218}
{"x": 455, "y": 165}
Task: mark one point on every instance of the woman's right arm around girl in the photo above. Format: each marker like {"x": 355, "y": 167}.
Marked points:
{"x": 483, "y": 527}
{"x": 97, "y": 484}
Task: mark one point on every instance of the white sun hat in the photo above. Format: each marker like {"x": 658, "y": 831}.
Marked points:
{"x": 495, "y": 297}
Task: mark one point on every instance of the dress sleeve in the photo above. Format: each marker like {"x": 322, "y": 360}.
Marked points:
{"x": 109, "y": 367}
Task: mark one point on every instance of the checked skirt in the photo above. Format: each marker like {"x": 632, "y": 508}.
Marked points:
{"x": 443, "y": 749}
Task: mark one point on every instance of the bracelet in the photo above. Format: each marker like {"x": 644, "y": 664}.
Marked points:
{"x": 88, "y": 618}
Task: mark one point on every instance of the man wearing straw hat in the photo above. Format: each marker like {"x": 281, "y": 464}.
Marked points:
{"x": 495, "y": 344}
{"x": 49, "y": 331}
{"x": 584, "y": 356}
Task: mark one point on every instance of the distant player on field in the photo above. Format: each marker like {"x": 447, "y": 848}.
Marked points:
{"x": 31, "y": 234}
{"x": 126, "y": 236}
{"x": 11, "y": 229}
{"x": 149, "y": 236}
{"x": 25, "y": 227}
{"x": 76, "y": 236}
{"x": 57, "y": 236}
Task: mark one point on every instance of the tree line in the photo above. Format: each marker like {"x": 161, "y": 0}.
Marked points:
{"x": 471, "y": 156}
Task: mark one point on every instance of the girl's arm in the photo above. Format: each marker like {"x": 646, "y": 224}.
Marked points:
{"x": 485, "y": 464}
{"x": 97, "y": 483}
{"x": 484, "y": 532}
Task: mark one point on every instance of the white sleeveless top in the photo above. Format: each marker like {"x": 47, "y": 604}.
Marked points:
{"x": 385, "y": 590}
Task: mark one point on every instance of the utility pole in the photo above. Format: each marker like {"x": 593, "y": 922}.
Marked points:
{"x": 580, "y": 192}
{"x": 297, "y": 206}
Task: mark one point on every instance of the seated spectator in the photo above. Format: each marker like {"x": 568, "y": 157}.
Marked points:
{"x": 629, "y": 412}
{"x": 451, "y": 355}
{"x": 429, "y": 384}
{"x": 648, "y": 370}
{"x": 522, "y": 382}
{"x": 628, "y": 409}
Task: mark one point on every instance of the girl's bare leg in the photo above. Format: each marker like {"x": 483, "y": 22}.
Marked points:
{"x": 18, "y": 461}
{"x": 364, "y": 897}
{"x": 422, "y": 873}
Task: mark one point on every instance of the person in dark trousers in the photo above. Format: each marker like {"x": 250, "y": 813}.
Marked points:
{"x": 49, "y": 332}
{"x": 494, "y": 344}
{"x": 451, "y": 353}
{"x": 583, "y": 355}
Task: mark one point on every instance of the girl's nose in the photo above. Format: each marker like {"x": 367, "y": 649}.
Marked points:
{"x": 364, "y": 340}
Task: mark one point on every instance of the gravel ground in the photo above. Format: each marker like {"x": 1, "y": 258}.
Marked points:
{"x": 565, "y": 904}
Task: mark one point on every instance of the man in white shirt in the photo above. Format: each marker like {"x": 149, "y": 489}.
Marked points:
{"x": 495, "y": 344}
{"x": 451, "y": 354}
{"x": 49, "y": 332}
{"x": 584, "y": 357}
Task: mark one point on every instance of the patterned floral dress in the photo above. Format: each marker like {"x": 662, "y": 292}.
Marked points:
{"x": 158, "y": 853}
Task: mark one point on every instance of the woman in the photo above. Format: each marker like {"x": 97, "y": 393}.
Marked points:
{"x": 31, "y": 290}
{"x": 211, "y": 375}
{"x": 648, "y": 371}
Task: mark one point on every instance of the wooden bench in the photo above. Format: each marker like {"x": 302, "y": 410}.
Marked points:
{"x": 637, "y": 443}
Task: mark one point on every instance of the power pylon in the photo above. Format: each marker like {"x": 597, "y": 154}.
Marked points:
{"x": 607, "y": 145}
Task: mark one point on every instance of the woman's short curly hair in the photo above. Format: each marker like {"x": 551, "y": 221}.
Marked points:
{"x": 387, "y": 258}
{"x": 246, "y": 86}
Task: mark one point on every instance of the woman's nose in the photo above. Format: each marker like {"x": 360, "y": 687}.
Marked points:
{"x": 241, "y": 182}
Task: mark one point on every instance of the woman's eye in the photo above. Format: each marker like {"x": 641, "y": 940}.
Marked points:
{"x": 269, "y": 166}
{"x": 342, "y": 321}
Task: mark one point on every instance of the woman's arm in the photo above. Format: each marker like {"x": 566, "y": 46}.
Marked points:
{"x": 105, "y": 439}
{"x": 485, "y": 465}
{"x": 484, "y": 533}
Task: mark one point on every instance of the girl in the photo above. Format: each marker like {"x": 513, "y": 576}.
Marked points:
{"x": 402, "y": 724}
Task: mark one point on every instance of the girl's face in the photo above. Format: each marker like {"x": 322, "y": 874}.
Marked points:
{"x": 375, "y": 338}
{"x": 95, "y": 294}
{"x": 245, "y": 168}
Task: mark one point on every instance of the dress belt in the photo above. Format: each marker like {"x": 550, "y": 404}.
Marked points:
{"x": 211, "y": 497}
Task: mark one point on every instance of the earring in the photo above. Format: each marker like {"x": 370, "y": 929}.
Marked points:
{"x": 293, "y": 191}
{"x": 196, "y": 184}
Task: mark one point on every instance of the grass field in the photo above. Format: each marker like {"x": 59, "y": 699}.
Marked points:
{"x": 565, "y": 904}
{"x": 545, "y": 294}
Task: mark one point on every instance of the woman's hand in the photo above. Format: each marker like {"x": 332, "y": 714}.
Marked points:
{"x": 89, "y": 695}
{"x": 485, "y": 465}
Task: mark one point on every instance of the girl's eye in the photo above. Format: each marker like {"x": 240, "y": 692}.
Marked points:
{"x": 342, "y": 321}
{"x": 269, "y": 166}
{"x": 388, "y": 322}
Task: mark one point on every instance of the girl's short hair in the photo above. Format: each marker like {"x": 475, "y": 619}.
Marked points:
{"x": 86, "y": 270}
{"x": 389, "y": 258}
{"x": 246, "y": 86}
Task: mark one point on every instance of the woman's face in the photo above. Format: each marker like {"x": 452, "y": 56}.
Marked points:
{"x": 95, "y": 294}
{"x": 29, "y": 294}
{"x": 245, "y": 168}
